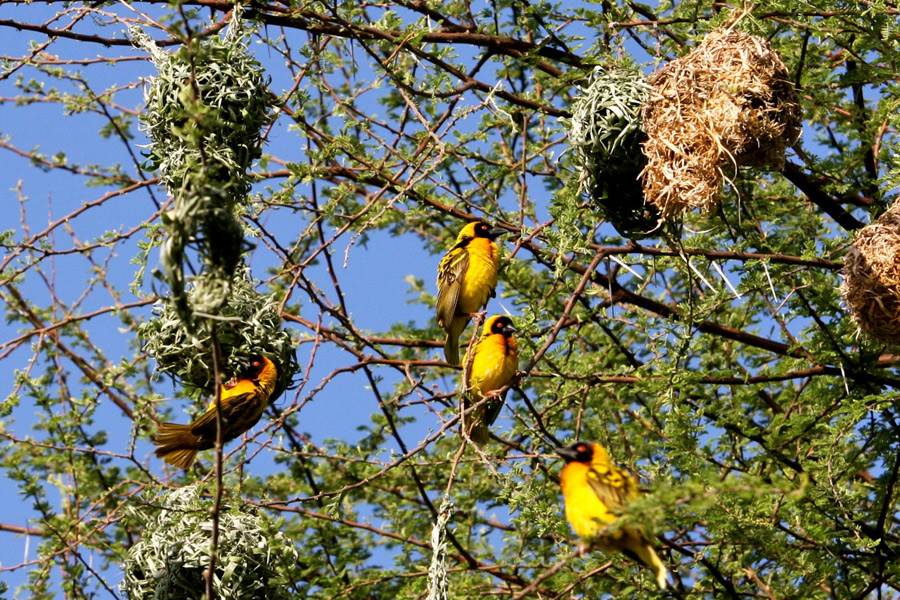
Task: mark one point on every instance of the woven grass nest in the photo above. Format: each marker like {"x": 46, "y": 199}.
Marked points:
{"x": 726, "y": 104}
{"x": 249, "y": 324}
{"x": 871, "y": 285}
{"x": 605, "y": 134}
{"x": 254, "y": 560}
{"x": 204, "y": 114}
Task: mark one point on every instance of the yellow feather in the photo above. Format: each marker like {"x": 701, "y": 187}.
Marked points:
{"x": 242, "y": 404}
{"x": 595, "y": 492}
{"x": 467, "y": 278}
{"x": 480, "y": 280}
{"x": 495, "y": 360}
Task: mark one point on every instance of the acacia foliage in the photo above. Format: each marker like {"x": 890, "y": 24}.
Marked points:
{"x": 716, "y": 360}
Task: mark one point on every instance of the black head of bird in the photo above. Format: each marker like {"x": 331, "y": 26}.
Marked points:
{"x": 483, "y": 230}
{"x": 503, "y": 326}
{"x": 577, "y": 452}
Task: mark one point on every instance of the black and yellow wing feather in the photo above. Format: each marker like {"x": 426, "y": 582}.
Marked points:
{"x": 612, "y": 486}
{"x": 451, "y": 271}
{"x": 239, "y": 413}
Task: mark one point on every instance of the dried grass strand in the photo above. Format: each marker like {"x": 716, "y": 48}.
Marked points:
{"x": 871, "y": 284}
{"x": 726, "y": 104}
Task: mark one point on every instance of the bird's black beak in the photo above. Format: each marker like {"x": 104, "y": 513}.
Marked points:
{"x": 509, "y": 329}
{"x": 567, "y": 454}
{"x": 496, "y": 232}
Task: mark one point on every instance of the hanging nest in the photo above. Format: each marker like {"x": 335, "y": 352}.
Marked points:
{"x": 204, "y": 114}
{"x": 248, "y": 324}
{"x": 606, "y": 135}
{"x": 254, "y": 561}
{"x": 728, "y": 103}
{"x": 871, "y": 285}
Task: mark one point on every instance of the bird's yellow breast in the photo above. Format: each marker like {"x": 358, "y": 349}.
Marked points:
{"x": 494, "y": 363}
{"x": 262, "y": 387}
{"x": 584, "y": 510}
{"x": 480, "y": 279}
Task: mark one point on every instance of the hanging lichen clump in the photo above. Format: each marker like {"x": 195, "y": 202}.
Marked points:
{"x": 606, "y": 134}
{"x": 728, "y": 103}
{"x": 204, "y": 114}
{"x": 254, "y": 560}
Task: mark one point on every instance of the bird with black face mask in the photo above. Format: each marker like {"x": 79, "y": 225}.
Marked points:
{"x": 242, "y": 403}
{"x": 595, "y": 493}
{"x": 467, "y": 278}
{"x": 495, "y": 360}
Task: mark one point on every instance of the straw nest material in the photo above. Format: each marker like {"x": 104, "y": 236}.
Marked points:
{"x": 606, "y": 136}
{"x": 871, "y": 285}
{"x": 728, "y": 103}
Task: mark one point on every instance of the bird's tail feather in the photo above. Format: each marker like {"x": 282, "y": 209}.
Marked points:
{"x": 647, "y": 556}
{"x": 178, "y": 446}
{"x": 181, "y": 458}
{"x": 451, "y": 350}
{"x": 481, "y": 420}
{"x": 451, "y": 346}
{"x": 479, "y": 432}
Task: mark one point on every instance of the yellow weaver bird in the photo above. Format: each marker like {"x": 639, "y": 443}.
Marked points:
{"x": 243, "y": 400}
{"x": 467, "y": 278}
{"x": 595, "y": 492}
{"x": 495, "y": 360}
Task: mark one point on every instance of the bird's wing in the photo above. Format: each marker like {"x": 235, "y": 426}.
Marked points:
{"x": 233, "y": 388}
{"x": 234, "y": 408}
{"x": 613, "y": 486}
{"x": 450, "y": 275}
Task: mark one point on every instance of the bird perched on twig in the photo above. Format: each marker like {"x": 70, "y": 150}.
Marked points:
{"x": 467, "y": 278}
{"x": 242, "y": 403}
{"x": 595, "y": 492}
{"x": 495, "y": 360}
